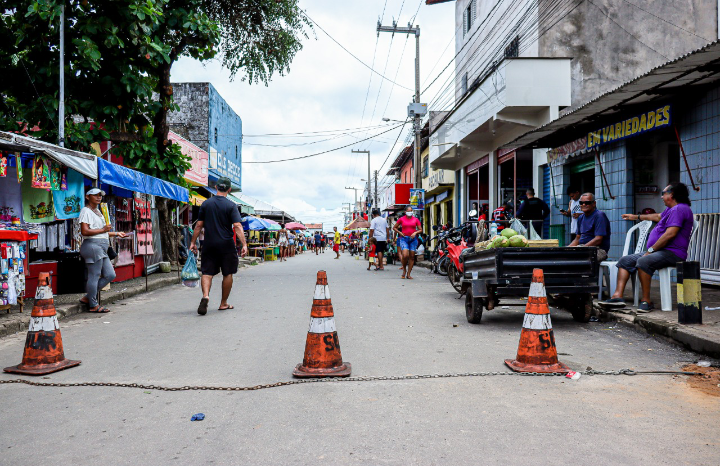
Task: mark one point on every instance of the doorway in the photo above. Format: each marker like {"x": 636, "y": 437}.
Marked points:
{"x": 582, "y": 175}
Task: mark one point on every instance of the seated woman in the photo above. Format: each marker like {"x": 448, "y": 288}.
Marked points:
{"x": 667, "y": 244}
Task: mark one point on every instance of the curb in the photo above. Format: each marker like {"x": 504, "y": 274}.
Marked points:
{"x": 67, "y": 310}
{"x": 694, "y": 338}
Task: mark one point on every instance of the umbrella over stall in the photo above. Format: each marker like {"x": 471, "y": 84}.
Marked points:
{"x": 357, "y": 223}
{"x": 295, "y": 226}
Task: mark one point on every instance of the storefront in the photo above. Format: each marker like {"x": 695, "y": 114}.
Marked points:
{"x": 477, "y": 176}
{"x": 42, "y": 190}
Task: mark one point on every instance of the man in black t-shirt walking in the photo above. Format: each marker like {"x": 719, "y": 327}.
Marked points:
{"x": 221, "y": 220}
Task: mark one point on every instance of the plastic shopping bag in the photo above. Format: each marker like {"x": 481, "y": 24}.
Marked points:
{"x": 190, "y": 275}
{"x": 519, "y": 227}
{"x": 533, "y": 234}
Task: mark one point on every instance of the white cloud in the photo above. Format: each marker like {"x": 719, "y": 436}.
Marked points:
{"x": 326, "y": 89}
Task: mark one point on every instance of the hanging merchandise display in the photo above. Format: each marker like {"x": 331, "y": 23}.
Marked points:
{"x": 18, "y": 168}
{"x": 3, "y": 166}
{"x": 12, "y": 272}
{"x": 143, "y": 225}
{"x": 37, "y": 203}
{"x": 68, "y": 203}
{"x": 123, "y": 222}
{"x": 40, "y": 173}
{"x": 11, "y": 205}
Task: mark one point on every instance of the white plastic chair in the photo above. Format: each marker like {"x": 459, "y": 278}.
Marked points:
{"x": 665, "y": 283}
{"x": 609, "y": 268}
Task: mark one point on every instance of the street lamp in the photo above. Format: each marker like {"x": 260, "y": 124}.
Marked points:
{"x": 390, "y": 119}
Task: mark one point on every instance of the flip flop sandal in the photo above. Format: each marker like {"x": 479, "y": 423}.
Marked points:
{"x": 100, "y": 310}
{"x": 618, "y": 303}
{"x": 202, "y": 308}
{"x": 646, "y": 306}
{"x": 230, "y": 306}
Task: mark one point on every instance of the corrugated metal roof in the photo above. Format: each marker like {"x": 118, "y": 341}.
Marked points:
{"x": 696, "y": 68}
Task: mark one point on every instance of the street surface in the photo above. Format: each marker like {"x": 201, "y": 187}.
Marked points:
{"x": 386, "y": 327}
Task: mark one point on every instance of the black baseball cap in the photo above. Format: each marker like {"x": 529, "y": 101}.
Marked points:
{"x": 223, "y": 184}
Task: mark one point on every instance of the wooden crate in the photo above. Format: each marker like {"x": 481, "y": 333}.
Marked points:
{"x": 543, "y": 243}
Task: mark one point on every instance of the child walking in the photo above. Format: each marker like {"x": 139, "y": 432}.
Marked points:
{"x": 371, "y": 253}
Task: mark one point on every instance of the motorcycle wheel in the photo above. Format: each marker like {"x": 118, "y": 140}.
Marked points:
{"x": 442, "y": 268}
{"x": 455, "y": 277}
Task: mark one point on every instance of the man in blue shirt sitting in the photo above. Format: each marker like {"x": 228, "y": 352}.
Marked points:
{"x": 593, "y": 228}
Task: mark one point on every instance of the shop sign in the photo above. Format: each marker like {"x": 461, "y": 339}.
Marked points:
{"x": 198, "y": 171}
{"x": 636, "y": 125}
{"x": 221, "y": 166}
{"x": 436, "y": 179}
{"x": 417, "y": 199}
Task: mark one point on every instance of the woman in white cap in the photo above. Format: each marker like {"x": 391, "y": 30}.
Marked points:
{"x": 96, "y": 241}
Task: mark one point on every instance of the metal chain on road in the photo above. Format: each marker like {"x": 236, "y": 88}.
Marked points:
{"x": 330, "y": 380}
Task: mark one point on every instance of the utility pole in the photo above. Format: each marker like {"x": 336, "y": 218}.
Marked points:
{"x": 375, "y": 203}
{"x": 417, "y": 110}
{"x": 356, "y": 190}
{"x": 61, "y": 103}
{"x": 368, "y": 177}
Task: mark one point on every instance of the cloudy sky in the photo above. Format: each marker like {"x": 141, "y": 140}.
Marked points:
{"x": 327, "y": 89}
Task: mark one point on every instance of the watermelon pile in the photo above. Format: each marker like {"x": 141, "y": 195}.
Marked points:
{"x": 508, "y": 238}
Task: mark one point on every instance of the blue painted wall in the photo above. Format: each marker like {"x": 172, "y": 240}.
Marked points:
{"x": 225, "y": 139}
{"x": 699, "y": 128}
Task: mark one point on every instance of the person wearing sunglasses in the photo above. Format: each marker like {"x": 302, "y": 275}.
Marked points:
{"x": 667, "y": 244}
{"x": 593, "y": 228}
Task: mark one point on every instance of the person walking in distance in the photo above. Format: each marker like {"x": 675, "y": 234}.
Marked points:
{"x": 283, "y": 242}
{"x": 318, "y": 242}
{"x": 379, "y": 230}
{"x": 407, "y": 228}
{"x": 336, "y": 243}
{"x": 219, "y": 217}
{"x": 534, "y": 209}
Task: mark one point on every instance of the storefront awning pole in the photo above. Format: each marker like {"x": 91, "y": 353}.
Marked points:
{"x": 602, "y": 172}
{"x": 552, "y": 183}
{"x": 682, "y": 150}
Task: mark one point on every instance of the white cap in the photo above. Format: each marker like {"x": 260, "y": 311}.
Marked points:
{"x": 96, "y": 191}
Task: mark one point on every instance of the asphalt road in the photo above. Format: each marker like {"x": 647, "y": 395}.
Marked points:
{"x": 387, "y": 327}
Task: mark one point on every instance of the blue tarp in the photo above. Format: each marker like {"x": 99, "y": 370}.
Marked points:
{"x": 127, "y": 178}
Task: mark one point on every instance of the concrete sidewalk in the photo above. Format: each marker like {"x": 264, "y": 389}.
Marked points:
{"x": 704, "y": 338}
{"x": 68, "y": 304}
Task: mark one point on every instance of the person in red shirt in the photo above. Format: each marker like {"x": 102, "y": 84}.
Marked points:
{"x": 407, "y": 227}
{"x": 371, "y": 253}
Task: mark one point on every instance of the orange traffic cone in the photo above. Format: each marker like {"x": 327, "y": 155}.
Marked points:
{"x": 43, "y": 346}
{"x": 322, "y": 348}
{"x": 536, "y": 351}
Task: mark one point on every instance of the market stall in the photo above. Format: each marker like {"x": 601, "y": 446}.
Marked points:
{"x": 42, "y": 190}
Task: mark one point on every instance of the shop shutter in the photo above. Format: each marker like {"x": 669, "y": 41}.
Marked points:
{"x": 547, "y": 197}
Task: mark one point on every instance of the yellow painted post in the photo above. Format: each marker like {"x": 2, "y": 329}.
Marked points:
{"x": 688, "y": 293}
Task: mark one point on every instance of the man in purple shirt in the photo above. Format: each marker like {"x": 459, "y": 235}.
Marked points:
{"x": 667, "y": 244}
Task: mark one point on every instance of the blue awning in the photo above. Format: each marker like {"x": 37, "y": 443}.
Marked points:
{"x": 127, "y": 178}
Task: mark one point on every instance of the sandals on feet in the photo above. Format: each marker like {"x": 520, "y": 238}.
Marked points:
{"x": 202, "y": 308}
{"x": 646, "y": 306}
{"x": 230, "y": 306}
{"x": 99, "y": 310}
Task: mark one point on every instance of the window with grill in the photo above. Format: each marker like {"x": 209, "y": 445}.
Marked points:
{"x": 469, "y": 16}
{"x": 464, "y": 83}
{"x": 513, "y": 48}
{"x": 425, "y": 166}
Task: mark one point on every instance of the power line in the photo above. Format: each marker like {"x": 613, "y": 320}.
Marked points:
{"x": 325, "y": 152}
{"x": 353, "y": 55}
{"x": 346, "y": 130}
{"x": 393, "y": 146}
